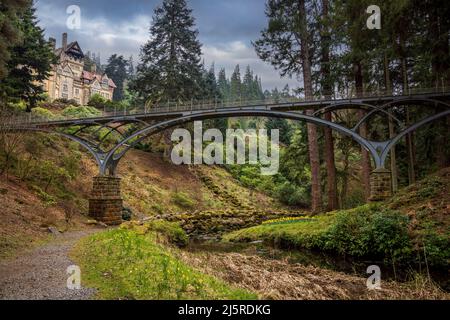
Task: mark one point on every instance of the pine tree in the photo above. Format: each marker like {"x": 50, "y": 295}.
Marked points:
{"x": 116, "y": 69}
{"x": 30, "y": 62}
{"x": 236, "y": 85}
{"x": 170, "y": 67}
{"x": 248, "y": 92}
{"x": 210, "y": 86}
{"x": 223, "y": 85}
{"x": 130, "y": 69}
{"x": 10, "y": 34}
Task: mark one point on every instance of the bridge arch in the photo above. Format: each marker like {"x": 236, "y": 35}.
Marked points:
{"x": 403, "y": 101}
{"x": 116, "y": 153}
{"x": 84, "y": 143}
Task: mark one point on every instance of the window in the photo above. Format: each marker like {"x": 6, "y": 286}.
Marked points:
{"x": 77, "y": 92}
{"x": 65, "y": 87}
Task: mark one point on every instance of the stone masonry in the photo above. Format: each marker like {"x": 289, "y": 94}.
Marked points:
{"x": 380, "y": 185}
{"x": 105, "y": 203}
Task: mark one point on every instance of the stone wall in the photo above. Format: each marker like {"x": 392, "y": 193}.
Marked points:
{"x": 380, "y": 185}
{"x": 105, "y": 203}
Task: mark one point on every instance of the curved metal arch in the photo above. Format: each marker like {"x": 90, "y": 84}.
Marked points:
{"x": 108, "y": 125}
{"x": 412, "y": 128}
{"x": 114, "y": 155}
{"x": 355, "y": 105}
{"x": 393, "y": 103}
{"x": 85, "y": 144}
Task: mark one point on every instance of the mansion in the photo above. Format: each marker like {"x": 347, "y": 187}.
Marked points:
{"x": 68, "y": 79}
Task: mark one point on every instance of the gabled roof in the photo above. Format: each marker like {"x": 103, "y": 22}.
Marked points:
{"x": 73, "y": 48}
{"x": 95, "y": 76}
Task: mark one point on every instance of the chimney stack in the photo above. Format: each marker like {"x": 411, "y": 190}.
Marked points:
{"x": 64, "y": 41}
{"x": 52, "y": 43}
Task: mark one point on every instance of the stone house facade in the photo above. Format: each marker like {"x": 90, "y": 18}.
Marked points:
{"x": 69, "y": 80}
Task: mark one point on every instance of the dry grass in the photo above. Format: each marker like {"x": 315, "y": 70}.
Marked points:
{"x": 280, "y": 280}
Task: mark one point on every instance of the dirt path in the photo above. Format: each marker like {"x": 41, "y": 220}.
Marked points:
{"x": 41, "y": 273}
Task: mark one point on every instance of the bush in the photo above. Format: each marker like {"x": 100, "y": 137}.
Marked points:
{"x": 370, "y": 231}
{"x": 172, "y": 230}
{"x": 80, "y": 112}
{"x": 183, "y": 200}
{"x": 43, "y": 113}
{"x": 292, "y": 195}
{"x": 97, "y": 101}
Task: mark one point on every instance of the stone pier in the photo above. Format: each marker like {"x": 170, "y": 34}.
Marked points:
{"x": 105, "y": 203}
{"x": 380, "y": 185}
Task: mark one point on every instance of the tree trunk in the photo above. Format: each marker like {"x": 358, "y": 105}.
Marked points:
{"x": 316, "y": 196}
{"x": 329, "y": 142}
{"x": 405, "y": 84}
{"x": 365, "y": 158}
{"x": 393, "y": 156}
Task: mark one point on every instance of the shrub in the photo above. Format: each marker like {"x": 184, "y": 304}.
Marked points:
{"x": 80, "y": 112}
{"x": 43, "y": 113}
{"x": 292, "y": 195}
{"x": 97, "y": 101}
{"x": 370, "y": 231}
{"x": 183, "y": 200}
{"x": 172, "y": 230}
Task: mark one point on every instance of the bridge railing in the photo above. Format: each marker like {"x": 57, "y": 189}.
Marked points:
{"x": 29, "y": 119}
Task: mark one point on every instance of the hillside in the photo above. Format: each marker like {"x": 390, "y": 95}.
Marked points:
{"x": 50, "y": 182}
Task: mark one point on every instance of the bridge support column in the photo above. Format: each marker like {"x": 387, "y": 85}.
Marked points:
{"x": 380, "y": 185}
{"x": 105, "y": 203}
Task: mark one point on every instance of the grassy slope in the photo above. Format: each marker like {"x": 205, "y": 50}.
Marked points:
{"x": 136, "y": 263}
{"x": 416, "y": 220}
{"x": 150, "y": 186}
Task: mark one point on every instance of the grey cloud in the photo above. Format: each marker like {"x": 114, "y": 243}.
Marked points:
{"x": 117, "y": 26}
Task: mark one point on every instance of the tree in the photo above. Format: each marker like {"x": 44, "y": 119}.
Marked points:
{"x": 283, "y": 126}
{"x": 30, "y": 62}
{"x": 286, "y": 44}
{"x": 248, "y": 87}
{"x": 170, "y": 67}
{"x": 327, "y": 83}
{"x": 130, "y": 69}
{"x": 116, "y": 69}
{"x": 210, "y": 87}
{"x": 223, "y": 85}
{"x": 10, "y": 34}
{"x": 236, "y": 85}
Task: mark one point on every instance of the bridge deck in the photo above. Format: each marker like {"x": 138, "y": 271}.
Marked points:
{"x": 171, "y": 112}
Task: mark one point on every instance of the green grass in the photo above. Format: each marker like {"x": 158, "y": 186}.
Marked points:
{"x": 123, "y": 264}
{"x": 367, "y": 231}
{"x": 304, "y": 233}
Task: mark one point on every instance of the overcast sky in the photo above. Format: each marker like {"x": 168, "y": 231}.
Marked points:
{"x": 226, "y": 29}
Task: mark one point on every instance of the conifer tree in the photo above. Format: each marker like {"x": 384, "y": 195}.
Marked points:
{"x": 170, "y": 67}
{"x": 116, "y": 69}
{"x": 29, "y": 64}
{"x": 10, "y": 34}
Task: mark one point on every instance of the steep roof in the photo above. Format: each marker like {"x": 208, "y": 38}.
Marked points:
{"x": 95, "y": 76}
{"x": 73, "y": 48}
